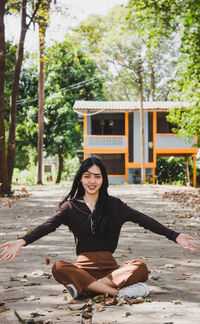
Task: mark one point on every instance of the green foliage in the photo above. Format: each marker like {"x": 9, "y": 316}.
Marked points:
{"x": 71, "y": 165}
{"x": 70, "y": 76}
{"x": 123, "y": 33}
{"x": 183, "y": 17}
{"x": 172, "y": 171}
{"x": 26, "y": 177}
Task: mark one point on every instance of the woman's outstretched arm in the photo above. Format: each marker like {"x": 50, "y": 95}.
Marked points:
{"x": 11, "y": 249}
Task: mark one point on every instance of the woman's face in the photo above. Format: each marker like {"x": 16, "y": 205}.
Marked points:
{"x": 92, "y": 180}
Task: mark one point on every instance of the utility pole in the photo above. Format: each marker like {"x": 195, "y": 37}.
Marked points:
{"x": 140, "y": 80}
{"x": 43, "y": 22}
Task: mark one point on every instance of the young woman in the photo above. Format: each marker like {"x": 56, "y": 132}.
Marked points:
{"x": 95, "y": 219}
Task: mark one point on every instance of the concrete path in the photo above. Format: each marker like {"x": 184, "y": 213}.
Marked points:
{"x": 26, "y": 284}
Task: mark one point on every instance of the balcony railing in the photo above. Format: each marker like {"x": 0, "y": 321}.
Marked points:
{"x": 173, "y": 142}
{"x": 99, "y": 141}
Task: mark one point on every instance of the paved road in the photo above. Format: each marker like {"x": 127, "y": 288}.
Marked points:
{"x": 174, "y": 273}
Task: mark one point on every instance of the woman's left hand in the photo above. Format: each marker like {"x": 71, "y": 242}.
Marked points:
{"x": 184, "y": 240}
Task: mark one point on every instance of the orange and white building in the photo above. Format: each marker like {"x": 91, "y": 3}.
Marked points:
{"x": 112, "y": 132}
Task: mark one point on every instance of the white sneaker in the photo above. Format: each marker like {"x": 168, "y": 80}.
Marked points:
{"x": 72, "y": 290}
{"x": 139, "y": 289}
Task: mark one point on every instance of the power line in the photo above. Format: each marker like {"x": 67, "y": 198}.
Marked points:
{"x": 71, "y": 87}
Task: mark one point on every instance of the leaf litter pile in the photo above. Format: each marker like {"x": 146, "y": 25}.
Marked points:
{"x": 84, "y": 309}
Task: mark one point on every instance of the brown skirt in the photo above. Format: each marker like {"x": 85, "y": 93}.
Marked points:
{"x": 91, "y": 266}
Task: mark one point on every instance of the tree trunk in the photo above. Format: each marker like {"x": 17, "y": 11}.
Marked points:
{"x": 60, "y": 167}
{"x": 140, "y": 80}
{"x": 40, "y": 104}
{"x": 42, "y": 32}
{"x": 15, "y": 87}
{"x": 4, "y": 185}
{"x": 14, "y": 94}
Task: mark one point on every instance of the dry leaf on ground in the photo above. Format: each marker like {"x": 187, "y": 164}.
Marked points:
{"x": 3, "y": 309}
{"x": 100, "y": 308}
{"x": 31, "y": 298}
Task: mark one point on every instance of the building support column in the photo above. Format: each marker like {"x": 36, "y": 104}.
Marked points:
{"x": 154, "y": 175}
{"x": 194, "y": 171}
{"x": 154, "y": 145}
{"x": 126, "y": 154}
{"x": 84, "y": 133}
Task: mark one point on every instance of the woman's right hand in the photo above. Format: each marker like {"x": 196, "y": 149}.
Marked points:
{"x": 11, "y": 249}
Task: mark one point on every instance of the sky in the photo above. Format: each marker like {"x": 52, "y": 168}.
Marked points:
{"x": 74, "y": 12}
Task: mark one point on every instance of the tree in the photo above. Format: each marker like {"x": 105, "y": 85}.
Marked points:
{"x": 182, "y": 16}
{"x": 122, "y": 35}
{"x": 121, "y": 31}
{"x": 6, "y": 166}
{"x": 15, "y": 85}
{"x": 4, "y": 186}
{"x": 42, "y": 19}
{"x": 70, "y": 76}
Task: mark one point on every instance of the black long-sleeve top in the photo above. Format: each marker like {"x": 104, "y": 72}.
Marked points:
{"x": 75, "y": 214}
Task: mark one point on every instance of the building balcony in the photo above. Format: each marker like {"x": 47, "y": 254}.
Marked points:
{"x": 173, "y": 142}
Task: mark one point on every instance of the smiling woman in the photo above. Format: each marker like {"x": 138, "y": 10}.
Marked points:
{"x": 95, "y": 218}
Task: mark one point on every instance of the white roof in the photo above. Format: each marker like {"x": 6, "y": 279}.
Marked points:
{"x": 115, "y": 106}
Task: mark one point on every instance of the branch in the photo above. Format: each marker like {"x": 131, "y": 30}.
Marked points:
{"x": 34, "y": 13}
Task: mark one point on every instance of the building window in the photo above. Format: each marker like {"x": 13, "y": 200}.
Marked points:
{"x": 163, "y": 126}
{"x": 114, "y": 163}
{"x": 108, "y": 124}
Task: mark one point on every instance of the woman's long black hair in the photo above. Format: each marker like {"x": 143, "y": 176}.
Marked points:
{"x": 101, "y": 215}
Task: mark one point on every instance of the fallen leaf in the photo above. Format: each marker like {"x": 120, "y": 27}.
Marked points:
{"x": 57, "y": 294}
{"x": 31, "y": 298}
{"x": 182, "y": 278}
{"x": 98, "y": 298}
{"x": 176, "y": 302}
{"x": 3, "y": 309}
{"x": 47, "y": 261}
{"x": 75, "y": 313}
{"x": 36, "y": 314}
{"x": 100, "y": 308}
{"x": 138, "y": 300}
{"x": 72, "y": 301}
{"x": 127, "y": 314}
{"x": 7, "y": 287}
{"x": 110, "y": 301}
{"x": 86, "y": 315}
